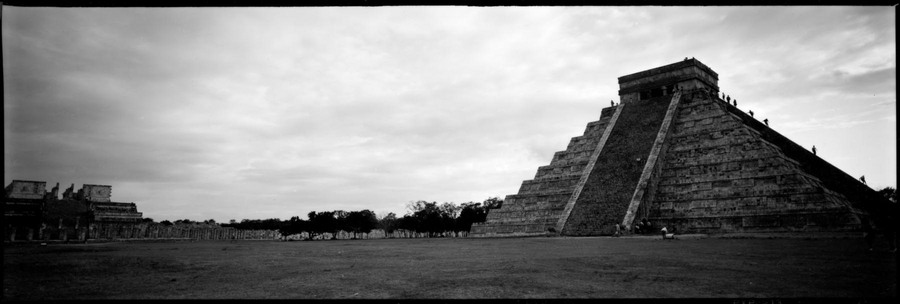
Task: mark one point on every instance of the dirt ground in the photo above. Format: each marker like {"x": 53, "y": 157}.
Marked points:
{"x": 541, "y": 267}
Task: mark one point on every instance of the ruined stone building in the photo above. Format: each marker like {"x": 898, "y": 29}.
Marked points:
{"x": 676, "y": 154}
{"x": 28, "y": 206}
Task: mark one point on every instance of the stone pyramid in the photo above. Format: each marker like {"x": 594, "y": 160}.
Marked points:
{"x": 675, "y": 153}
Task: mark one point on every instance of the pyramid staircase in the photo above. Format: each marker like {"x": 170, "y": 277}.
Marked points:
{"x": 539, "y": 204}
{"x": 674, "y": 153}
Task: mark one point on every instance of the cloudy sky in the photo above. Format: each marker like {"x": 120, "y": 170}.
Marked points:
{"x": 243, "y": 113}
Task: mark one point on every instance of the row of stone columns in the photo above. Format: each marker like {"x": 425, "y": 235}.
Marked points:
{"x": 143, "y": 231}
{"x": 137, "y": 231}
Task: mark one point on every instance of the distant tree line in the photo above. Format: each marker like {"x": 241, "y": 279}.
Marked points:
{"x": 423, "y": 218}
{"x": 184, "y": 222}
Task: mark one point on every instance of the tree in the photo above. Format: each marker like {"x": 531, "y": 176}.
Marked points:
{"x": 493, "y": 203}
{"x": 323, "y": 222}
{"x": 408, "y": 222}
{"x": 450, "y": 209}
{"x": 889, "y": 193}
{"x": 471, "y": 213}
{"x": 184, "y": 222}
{"x": 313, "y": 225}
{"x": 341, "y": 223}
{"x": 293, "y": 226}
{"x": 167, "y": 223}
{"x": 428, "y": 217}
{"x": 368, "y": 222}
{"x": 361, "y": 222}
{"x": 147, "y": 220}
{"x": 413, "y": 207}
{"x": 388, "y": 223}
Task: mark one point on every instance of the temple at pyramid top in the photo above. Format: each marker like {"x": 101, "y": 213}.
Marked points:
{"x": 674, "y": 154}
{"x": 664, "y": 80}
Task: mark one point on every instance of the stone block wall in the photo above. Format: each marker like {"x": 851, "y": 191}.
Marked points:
{"x": 25, "y": 189}
{"x": 606, "y": 196}
{"x": 538, "y": 205}
{"x": 836, "y": 182}
{"x": 156, "y": 231}
{"x": 720, "y": 174}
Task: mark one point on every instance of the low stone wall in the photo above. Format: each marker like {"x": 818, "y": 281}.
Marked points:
{"x": 375, "y": 234}
{"x": 140, "y": 231}
{"x": 162, "y": 232}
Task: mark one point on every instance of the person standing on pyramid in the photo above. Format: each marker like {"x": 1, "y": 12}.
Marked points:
{"x": 751, "y": 113}
{"x": 766, "y": 121}
{"x": 863, "y": 179}
{"x": 814, "y": 149}
{"x": 611, "y": 103}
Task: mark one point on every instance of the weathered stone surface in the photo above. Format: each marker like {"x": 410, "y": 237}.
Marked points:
{"x": 603, "y": 204}
{"x": 713, "y": 169}
{"x": 721, "y": 174}
{"x": 97, "y": 193}
{"x": 26, "y": 189}
{"x": 540, "y": 202}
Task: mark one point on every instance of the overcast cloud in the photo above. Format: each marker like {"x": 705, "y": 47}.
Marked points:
{"x": 233, "y": 113}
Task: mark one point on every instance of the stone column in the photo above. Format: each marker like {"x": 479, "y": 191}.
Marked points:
{"x": 59, "y": 227}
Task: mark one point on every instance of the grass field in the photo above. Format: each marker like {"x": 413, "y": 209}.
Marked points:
{"x": 451, "y": 268}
